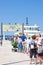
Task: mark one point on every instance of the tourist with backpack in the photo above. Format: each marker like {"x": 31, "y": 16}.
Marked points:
{"x": 33, "y": 49}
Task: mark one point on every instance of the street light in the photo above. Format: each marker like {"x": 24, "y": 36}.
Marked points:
{"x": 23, "y": 28}
{"x": 1, "y": 33}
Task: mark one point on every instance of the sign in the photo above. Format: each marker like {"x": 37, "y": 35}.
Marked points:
{"x": 12, "y": 27}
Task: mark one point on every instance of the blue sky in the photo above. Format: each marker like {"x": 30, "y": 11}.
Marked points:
{"x": 16, "y": 11}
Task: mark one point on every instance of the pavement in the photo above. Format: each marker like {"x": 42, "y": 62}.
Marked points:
{"x": 7, "y": 57}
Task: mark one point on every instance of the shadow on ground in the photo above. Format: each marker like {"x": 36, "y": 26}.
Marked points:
{"x": 15, "y": 62}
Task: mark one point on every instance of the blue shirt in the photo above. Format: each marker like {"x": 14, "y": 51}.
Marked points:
{"x": 23, "y": 37}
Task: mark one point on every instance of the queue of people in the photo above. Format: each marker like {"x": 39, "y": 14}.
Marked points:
{"x": 33, "y": 46}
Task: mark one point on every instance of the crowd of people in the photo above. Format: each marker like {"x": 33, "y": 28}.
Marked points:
{"x": 33, "y": 47}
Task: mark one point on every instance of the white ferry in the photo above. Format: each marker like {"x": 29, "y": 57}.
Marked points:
{"x": 30, "y": 30}
{"x": 34, "y": 29}
{"x": 18, "y": 29}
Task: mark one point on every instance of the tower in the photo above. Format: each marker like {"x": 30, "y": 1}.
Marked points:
{"x": 26, "y": 20}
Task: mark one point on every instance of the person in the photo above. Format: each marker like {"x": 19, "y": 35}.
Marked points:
{"x": 27, "y": 41}
{"x": 23, "y": 37}
{"x": 33, "y": 49}
{"x": 12, "y": 40}
{"x": 19, "y": 39}
{"x": 37, "y": 37}
{"x": 40, "y": 47}
{"x": 20, "y": 46}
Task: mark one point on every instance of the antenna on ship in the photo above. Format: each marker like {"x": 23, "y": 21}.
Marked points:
{"x": 26, "y": 20}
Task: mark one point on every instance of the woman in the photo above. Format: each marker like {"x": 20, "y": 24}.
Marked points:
{"x": 20, "y": 46}
{"x": 40, "y": 54}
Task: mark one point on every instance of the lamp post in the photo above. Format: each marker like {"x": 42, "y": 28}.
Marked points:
{"x": 23, "y": 28}
{"x": 1, "y": 33}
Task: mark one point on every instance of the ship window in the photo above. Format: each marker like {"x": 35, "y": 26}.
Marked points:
{"x": 24, "y": 28}
{"x": 37, "y": 29}
{"x": 30, "y": 28}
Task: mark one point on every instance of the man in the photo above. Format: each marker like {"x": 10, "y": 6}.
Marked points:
{"x": 23, "y": 37}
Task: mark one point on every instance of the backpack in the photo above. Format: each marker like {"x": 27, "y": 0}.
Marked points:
{"x": 32, "y": 45}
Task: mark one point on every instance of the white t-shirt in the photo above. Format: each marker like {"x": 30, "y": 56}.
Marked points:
{"x": 27, "y": 41}
{"x": 38, "y": 42}
{"x": 19, "y": 40}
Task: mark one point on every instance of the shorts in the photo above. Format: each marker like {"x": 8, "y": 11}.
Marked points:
{"x": 40, "y": 54}
{"x": 33, "y": 53}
